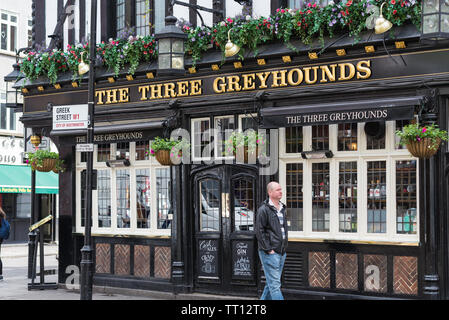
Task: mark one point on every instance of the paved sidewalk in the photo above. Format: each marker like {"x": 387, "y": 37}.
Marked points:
{"x": 15, "y": 283}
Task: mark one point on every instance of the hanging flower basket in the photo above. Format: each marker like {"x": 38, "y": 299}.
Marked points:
{"x": 164, "y": 149}
{"x": 250, "y": 141}
{"x": 46, "y": 166}
{"x": 59, "y": 166}
{"x": 42, "y": 160}
{"x": 425, "y": 148}
{"x": 422, "y": 142}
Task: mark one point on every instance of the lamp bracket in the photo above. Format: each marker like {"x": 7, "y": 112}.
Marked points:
{"x": 428, "y": 112}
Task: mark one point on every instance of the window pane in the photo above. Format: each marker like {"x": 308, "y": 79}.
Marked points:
{"x": 249, "y": 122}
{"x": 243, "y": 205}
{"x": 143, "y": 13}
{"x": 13, "y": 38}
{"x": 320, "y": 137}
{"x": 4, "y": 37}
{"x": 377, "y": 197}
{"x": 320, "y": 192}
{"x": 347, "y": 137}
{"x": 223, "y": 126}
{"x": 3, "y": 116}
{"x": 375, "y": 137}
{"x": 406, "y": 206}
{"x": 142, "y": 150}
{"x": 143, "y": 198}
{"x": 123, "y": 200}
{"x": 104, "y": 198}
{"x": 294, "y": 186}
{"x": 4, "y": 16}
{"x": 104, "y": 152}
{"x": 293, "y": 140}
{"x": 347, "y": 196}
{"x": 23, "y": 205}
{"x": 13, "y": 19}
{"x": 12, "y": 119}
{"x": 164, "y": 214}
{"x": 122, "y": 151}
{"x": 399, "y": 125}
{"x": 199, "y": 127}
{"x": 209, "y": 204}
{"x": 120, "y": 15}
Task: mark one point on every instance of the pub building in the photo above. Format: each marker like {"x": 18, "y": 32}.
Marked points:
{"x": 366, "y": 218}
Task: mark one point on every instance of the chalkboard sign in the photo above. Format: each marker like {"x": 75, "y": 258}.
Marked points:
{"x": 208, "y": 258}
{"x": 242, "y": 259}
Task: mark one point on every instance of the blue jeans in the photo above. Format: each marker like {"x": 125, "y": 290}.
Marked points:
{"x": 272, "y": 267}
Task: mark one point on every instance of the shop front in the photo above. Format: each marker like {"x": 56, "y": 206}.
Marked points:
{"x": 366, "y": 218}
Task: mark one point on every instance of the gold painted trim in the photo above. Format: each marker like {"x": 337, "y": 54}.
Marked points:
{"x": 129, "y": 77}
{"x": 192, "y": 70}
{"x": 313, "y": 55}
{"x": 40, "y": 88}
{"x": 369, "y": 49}
{"x": 400, "y": 45}
{"x": 286, "y": 59}
{"x": 215, "y": 67}
{"x": 384, "y": 243}
{"x": 57, "y": 86}
{"x": 150, "y": 75}
{"x": 238, "y": 65}
{"x": 75, "y": 84}
{"x": 25, "y": 90}
{"x": 111, "y": 80}
{"x": 341, "y": 52}
{"x": 261, "y": 62}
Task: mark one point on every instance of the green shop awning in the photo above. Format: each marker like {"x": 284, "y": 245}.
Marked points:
{"x": 17, "y": 179}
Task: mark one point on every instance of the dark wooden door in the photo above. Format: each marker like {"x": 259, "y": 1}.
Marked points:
{"x": 225, "y": 204}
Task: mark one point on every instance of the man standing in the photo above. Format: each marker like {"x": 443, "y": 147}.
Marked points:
{"x": 272, "y": 238}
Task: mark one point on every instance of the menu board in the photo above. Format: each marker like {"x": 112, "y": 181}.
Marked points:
{"x": 242, "y": 259}
{"x": 208, "y": 257}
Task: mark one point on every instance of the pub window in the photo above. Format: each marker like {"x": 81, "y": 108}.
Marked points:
{"x": 347, "y": 196}
{"x": 320, "y": 137}
{"x": 123, "y": 198}
{"x": 164, "y": 215}
{"x": 377, "y": 197}
{"x": 375, "y": 135}
{"x": 8, "y": 32}
{"x": 293, "y": 140}
{"x": 134, "y": 199}
{"x": 121, "y": 16}
{"x": 299, "y": 4}
{"x": 104, "y": 198}
{"x": 248, "y": 121}
{"x": 294, "y": 189}
{"x": 321, "y": 197}
{"x": 224, "y": 127}
{"x": 201, "y": 138}
{"x": 347, "y": 137}
{"x": 209, "y": 190}
{"x": 143, "y": 198}
{"x": 366, "y": 194}
{"x": 399, "y": 125}
{"x": 244, "y": 208}
{"x": 103, "y": 152}
{"x": 406, "y": 197}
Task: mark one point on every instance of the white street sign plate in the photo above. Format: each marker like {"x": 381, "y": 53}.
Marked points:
{"x": 85, "y": 147}
{"x": 70, "y": 117}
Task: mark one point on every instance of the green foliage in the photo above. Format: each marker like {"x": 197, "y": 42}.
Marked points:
{"x": 167, "y": 144}
{"x": 414, "y": 132}
{"x": 249, "y": 139}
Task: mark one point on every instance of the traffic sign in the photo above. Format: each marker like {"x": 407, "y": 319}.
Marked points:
{"x": 70, "y": 117}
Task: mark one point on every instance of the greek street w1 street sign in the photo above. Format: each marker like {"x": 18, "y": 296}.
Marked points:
{"x": 70, "y": 117}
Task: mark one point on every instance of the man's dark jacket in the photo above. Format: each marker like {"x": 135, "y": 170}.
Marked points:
{"x": 268, "y": 229}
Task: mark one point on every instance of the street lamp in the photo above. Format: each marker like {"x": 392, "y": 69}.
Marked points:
{"x": 435, "y": 20}
{"x": 171, "y": 48}
{"x": 14, "y": 98}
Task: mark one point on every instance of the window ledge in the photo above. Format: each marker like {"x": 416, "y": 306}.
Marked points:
{"x": 370, "y": 242}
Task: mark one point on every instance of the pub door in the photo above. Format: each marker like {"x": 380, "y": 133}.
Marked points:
{"x": 225, "y": 204}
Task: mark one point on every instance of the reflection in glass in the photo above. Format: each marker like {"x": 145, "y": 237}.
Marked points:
{"x": 142, "y": 150}
{"x": 103, "y": 152}
{"x": 104, "y": 198}
{"x": 122, "y": 151}
{"x": 209, "y": 204}
{"x": 123, "y": 199}
{"x": 377, "y": 197}
{"x": 243, "y": 205}
{"x": 320, "y": 194}
{"x": 294, "y": 186}
{"x": 164, "y": 214}
{"x": 223, "y": 126}
{"x": 293, "y": 139}
{"x": 320, "y": 137}
{"x": 406, "y": 197}
{"x": 347, "y": 137}
{"x": 347, "y": 196}
{"x": 143, "y": 196}
{"x": 200, "y": 140}
{"x": 164, "y": 45}
{"x": 399, "y": 125}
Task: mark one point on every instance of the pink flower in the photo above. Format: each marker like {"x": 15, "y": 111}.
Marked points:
{"x": 309, "y": 4}
{"x": 424, "y": 129}
{"x": 152, "y": 151}
{"x": 418, "y": 138}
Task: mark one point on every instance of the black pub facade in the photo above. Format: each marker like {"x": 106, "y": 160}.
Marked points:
{"x": 366, "y": 218}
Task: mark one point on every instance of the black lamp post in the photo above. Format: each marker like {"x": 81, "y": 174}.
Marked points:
{"x": 435, "y": 20}
{"x": 171, "y": 48}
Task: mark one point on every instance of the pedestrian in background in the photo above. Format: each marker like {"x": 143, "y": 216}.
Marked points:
{"x": 2, "y": 218}
{"x": 272, "y": 239}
